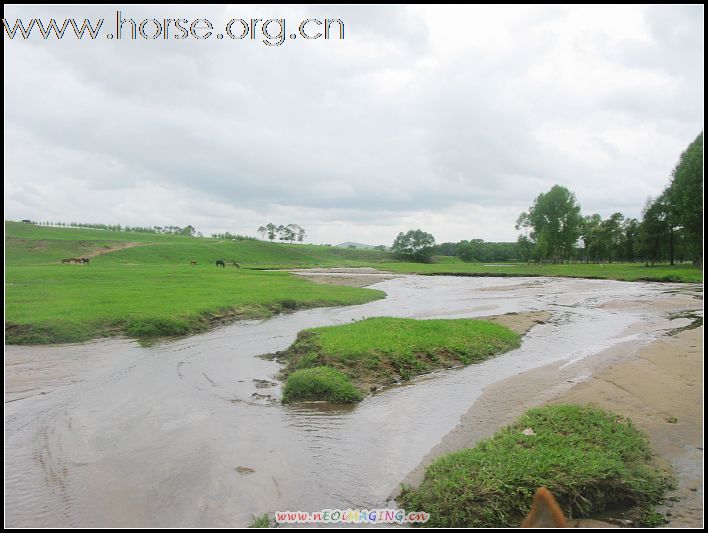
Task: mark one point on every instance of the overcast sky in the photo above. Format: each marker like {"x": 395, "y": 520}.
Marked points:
{"x": 447, "y": 119}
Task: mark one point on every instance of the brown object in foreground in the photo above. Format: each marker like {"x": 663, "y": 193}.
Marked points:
{"x": 545, "y": 512}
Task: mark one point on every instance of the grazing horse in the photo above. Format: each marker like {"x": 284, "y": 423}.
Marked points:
{"x": 193, "y": 262}
{"x": 85, "y": 260}
{"x": 220, "y": 263}
{"x": 234, "y": 263}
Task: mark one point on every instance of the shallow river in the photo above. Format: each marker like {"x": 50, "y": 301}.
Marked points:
{"x": 109, "y": 433}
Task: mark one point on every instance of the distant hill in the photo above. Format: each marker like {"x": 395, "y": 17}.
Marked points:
{"x": 357, "y": 246}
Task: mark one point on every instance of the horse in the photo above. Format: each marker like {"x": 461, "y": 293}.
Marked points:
{"x": 220, "y": 263}
{"x": 85, "y": 260}
{"x": 193, "y": 262}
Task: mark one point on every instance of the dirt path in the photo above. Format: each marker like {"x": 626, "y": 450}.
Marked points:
{"x": 106, "y": 249}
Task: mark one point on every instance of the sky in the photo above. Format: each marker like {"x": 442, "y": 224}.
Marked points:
{"x": 448, "y": 119}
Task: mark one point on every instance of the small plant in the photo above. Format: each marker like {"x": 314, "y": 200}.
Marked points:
{"x": 261, "y": 521}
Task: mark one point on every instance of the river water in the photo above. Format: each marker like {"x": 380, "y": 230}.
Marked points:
{"x": 110, "y": 433}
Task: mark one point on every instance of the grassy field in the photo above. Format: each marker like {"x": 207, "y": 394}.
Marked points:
{"x": 379, "y": 351}
{"x": 618, "y": 271}
{"x": 591, "y": 460}
{"x": 143, "y": 285}
{"x": 151, "y": 290}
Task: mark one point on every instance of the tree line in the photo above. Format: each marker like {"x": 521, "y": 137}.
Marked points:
{"x": 290, "y": 232}
{"x": 671, "y": 228}
{"x": 188, "y": 230}
{"x": 555, "y": 230}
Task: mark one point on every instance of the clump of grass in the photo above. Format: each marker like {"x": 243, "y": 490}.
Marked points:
{"x": 592, "y": 460}
{"x": 261, "y": 521}
{"x": 157, "y": 327}
{"x": 320, "y": 383}
{"x": 380, "y": 351}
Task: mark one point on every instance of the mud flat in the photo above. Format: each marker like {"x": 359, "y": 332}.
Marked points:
{"x": 352, "y": 277}
{"x": 658, "y": 385}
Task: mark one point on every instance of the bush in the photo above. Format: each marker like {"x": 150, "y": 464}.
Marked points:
{"x": 320, "y": 383}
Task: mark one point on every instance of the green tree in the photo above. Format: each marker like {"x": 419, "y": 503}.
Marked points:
{"x": 415, "y": 244}
{"x": 556, "y": 222}
{"x": 685, "y": 197}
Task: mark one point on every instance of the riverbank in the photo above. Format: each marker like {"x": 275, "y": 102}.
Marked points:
{"x": 678, "y": 273}
{"x": 658, "y": 386}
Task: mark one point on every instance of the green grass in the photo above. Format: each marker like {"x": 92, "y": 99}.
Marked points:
{"x": 682, "y": 273}
{"x": 261, "y": 521}
{"x": 26, "y": 244}
{"x": 151, "y": 290}
{"x": 320, "y": 383}
{"x": 590, "y": 459}
{"x": 380, "y": 351}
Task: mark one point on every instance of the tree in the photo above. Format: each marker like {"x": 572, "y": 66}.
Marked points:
{"x": 685, "y": 198}
{"x": 188, "y": 230}
{"x": 556, "y": 222}
{"x": 654, "y": 230}
{"x": 262, "y": 232}
{"x": 415, "y": 244}
{"x": 272, "y": 230}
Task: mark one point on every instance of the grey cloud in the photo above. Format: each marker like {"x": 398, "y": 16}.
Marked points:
{"x": 374, "y": 128}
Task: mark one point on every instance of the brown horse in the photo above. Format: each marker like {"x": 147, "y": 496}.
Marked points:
{"x": 193, "y": 262}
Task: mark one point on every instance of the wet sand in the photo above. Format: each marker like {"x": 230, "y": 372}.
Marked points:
{"x": 351, "y": 277}
{"x": 658, "y": 385}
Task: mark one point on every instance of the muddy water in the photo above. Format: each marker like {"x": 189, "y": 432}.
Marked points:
{"x": 113, "y": 434}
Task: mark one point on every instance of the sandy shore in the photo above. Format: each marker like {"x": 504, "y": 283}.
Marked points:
{"x": 659, "y": 386}
{"x": 352, "y": 277}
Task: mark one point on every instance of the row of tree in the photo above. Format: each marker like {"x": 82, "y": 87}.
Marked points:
{"x": 290, "y": 233}
{"x": 479, "y": 250}
{"x": 162, "y": 230}
{"x": 232, "y": 237}
{"x": 671, "y": 228}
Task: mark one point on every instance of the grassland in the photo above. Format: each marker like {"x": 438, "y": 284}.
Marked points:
{"x": 590, "y": 459}
{"x": 150, "y": 289}
{"x": 379, "y": 351}
{"x": 143, "y": 285}
{"x": 680, "y": 273}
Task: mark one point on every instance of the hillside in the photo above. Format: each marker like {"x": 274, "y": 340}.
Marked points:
{"x": 144, "y": 285}
{"x": 26, "y": 244}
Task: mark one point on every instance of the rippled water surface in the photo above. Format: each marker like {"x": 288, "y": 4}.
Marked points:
{"x": 179, "y": 434}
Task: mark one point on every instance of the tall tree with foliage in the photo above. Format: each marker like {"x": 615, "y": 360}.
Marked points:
{"x": 556, "y": 222}
{"x": 415, "y": 244}
{"x": 685, "y": 197}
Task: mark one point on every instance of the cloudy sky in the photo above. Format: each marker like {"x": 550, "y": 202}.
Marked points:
{"x": 445, "y": 118}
